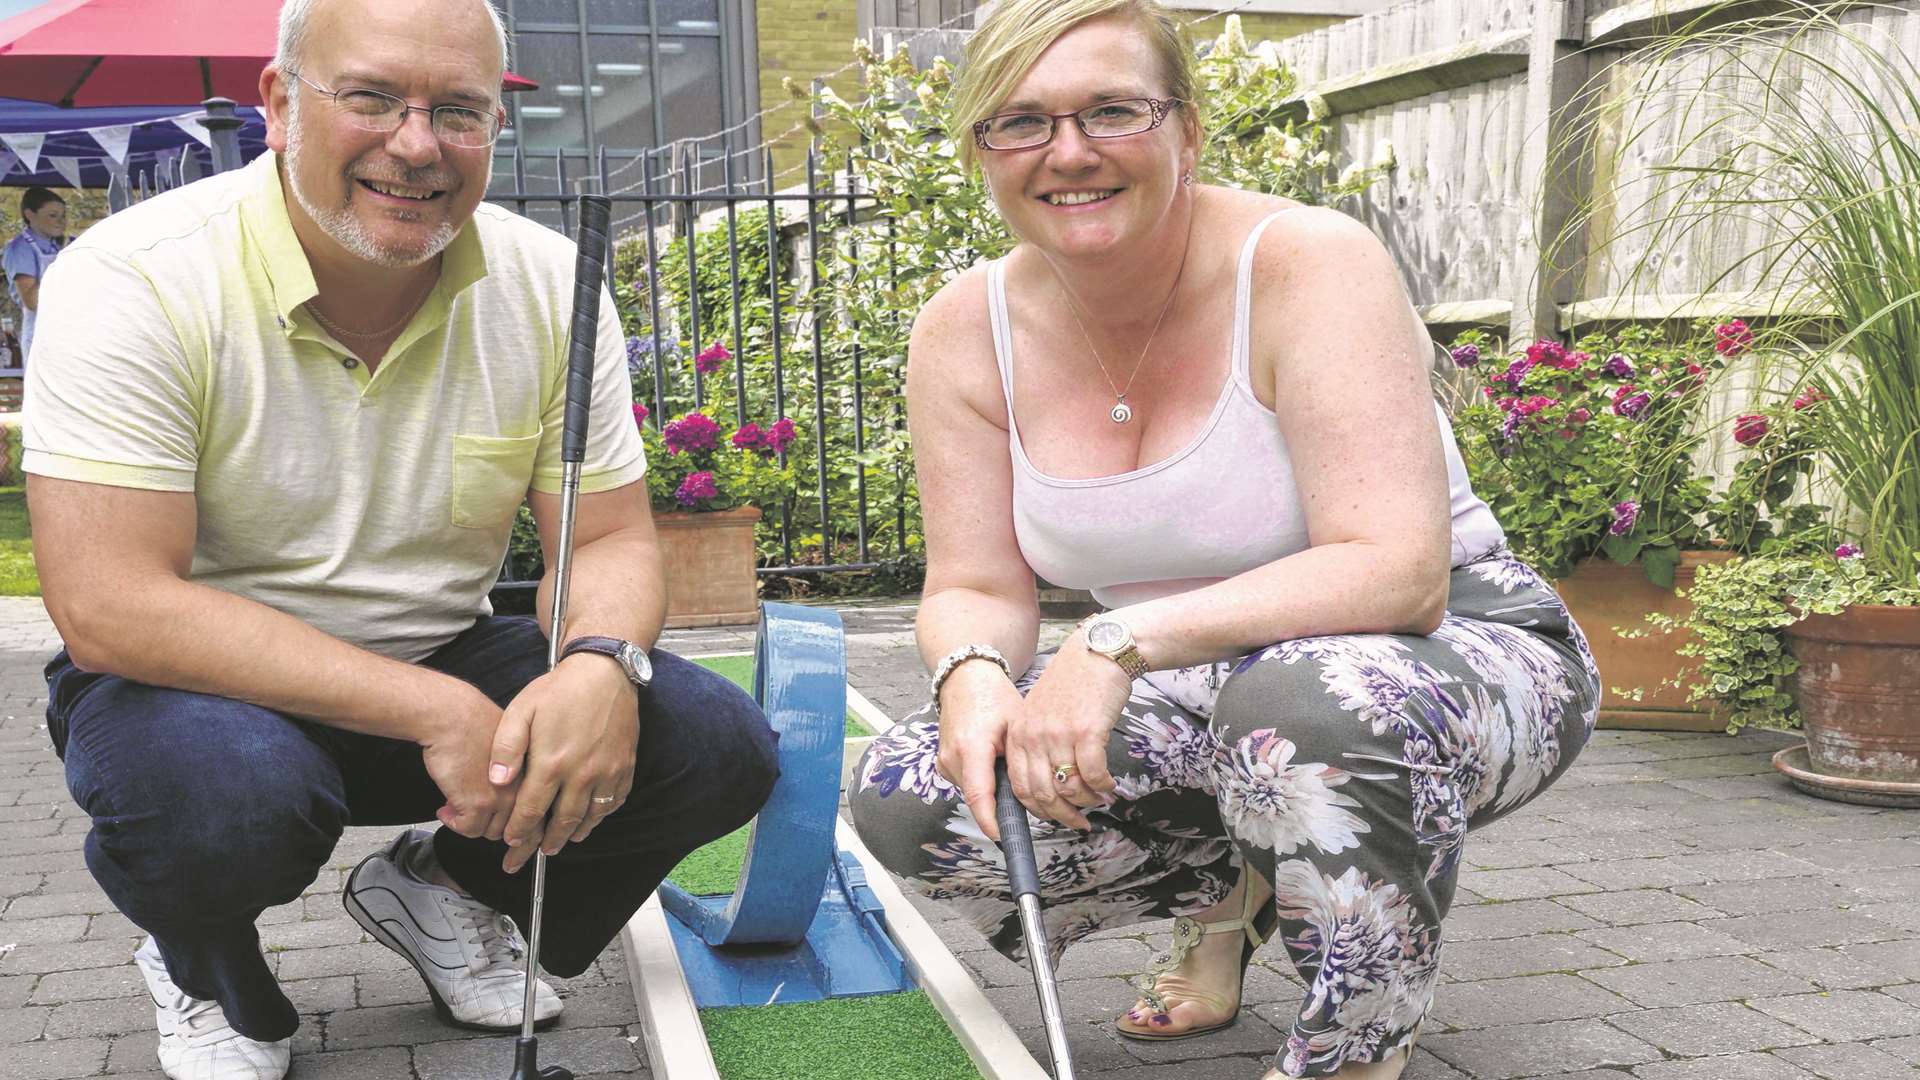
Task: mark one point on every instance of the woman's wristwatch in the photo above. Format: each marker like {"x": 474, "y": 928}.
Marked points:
{"x": 1108, "y": 636}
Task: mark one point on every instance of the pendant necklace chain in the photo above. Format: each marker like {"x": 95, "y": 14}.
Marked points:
{"x": 1121, "y": 411}
{"x": 337, "y": 330}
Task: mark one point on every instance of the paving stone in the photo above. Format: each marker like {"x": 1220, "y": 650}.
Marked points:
{"x": 1657, "y": 942}
{"x": 1806, "y": 929}
{"x": 1507, "y": 854}
{"x": 388, "y": 1025}
{"x": 55, "y": 1059}
{"x": 1636, "y": 906}
{"x": 1847, "y": 1061}
{"x": 1836, "y": 969}
{"x": 1525, "y": 1000}
{"x": 1097, "y": 958}
{"x": 387, "y": 1061}
{"x": 39, "y": 931}
{"x": 1692, "y": 982}
{"x": 1907, "y": 1049}
{"x": 1898, "y": 885}
{"x": 591, "y": 1050}
{"x": 1767, "y": 897}
{"x": 1488, "y": 922}
{"x": 106, "y": 1017}
{"x": 41, "y": 959}
{"x": 1526, "y": 1050}
{"x": 1536, "y": 955}
{"x": 88, "y": 985}
{"x": 22, "y": 1025}
{"x": 14, "y": 990}
{"x": 1905, "y": 915}
{"x": 1723, "y": 1027}
{"x": 1529, "y": 883}
{"x": 1734, "y": 1067}
{"x": 311, "y": 934}
{"x": 335, "y": 960}
{"x": 1691, "y": 869}
{"x": 320, "y": 995}
{"x": 1860, "y": 854}
{"x": 1844, "y": 1015}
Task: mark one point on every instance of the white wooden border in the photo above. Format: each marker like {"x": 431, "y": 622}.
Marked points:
{"x": 669, "y": 1020}
{"x": 989, "y": 1040}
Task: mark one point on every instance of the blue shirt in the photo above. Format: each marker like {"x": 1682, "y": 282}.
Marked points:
{"x": 27, "y": 253}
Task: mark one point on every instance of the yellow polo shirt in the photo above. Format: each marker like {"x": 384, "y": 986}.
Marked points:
{"x": 174, "y": 354}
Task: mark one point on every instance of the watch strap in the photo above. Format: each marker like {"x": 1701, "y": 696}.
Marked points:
{"x": 594, "y": 643}
{"x": 1127, "y": 656}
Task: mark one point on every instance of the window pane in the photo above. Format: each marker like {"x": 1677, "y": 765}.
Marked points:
{"x": 617, "y": 12}
{"x": 623, "y": 90}
{"x": 548, "y": 11}
{"x": 680, "y": 16}
{"x": 690, "y": 86}
{"x": 551, "y": 116}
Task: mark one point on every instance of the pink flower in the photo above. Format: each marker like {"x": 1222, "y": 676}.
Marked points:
{"x": 695, "y": 487}
{"x": 640, "y": 414}
{"x": 712, "y": 358}
{"x": 749, "y": 437}
{"x": 1579, "y": 416}
{"x": 1749, "y": 429}
{"x": 781, "y": 435}
{"x": 1808, "y": 398}
{"x": 692, "y": 432}
{"x": 1732, "y": 338}
{"x": 1547, "y": 351}
{"x": 1534, "y": 405}
{"x": 1848, "y": 551}
{"x": 1624, "y": 515}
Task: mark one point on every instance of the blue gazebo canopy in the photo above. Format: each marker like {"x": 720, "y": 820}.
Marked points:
{"x": 155, "y": 137}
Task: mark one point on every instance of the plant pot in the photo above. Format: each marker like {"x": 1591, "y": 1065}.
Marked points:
{"x": 1858, "y": 691}
{"x": 709, "y": 560}
{"x": 1602, "y": 594}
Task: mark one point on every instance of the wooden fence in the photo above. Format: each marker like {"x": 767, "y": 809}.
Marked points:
{"x": 1474, "y": 100}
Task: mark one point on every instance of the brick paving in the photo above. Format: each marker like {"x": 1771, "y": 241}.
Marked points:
{"x": 1671, "y": 910}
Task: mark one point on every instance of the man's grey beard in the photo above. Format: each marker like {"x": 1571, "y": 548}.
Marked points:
{"x": 340, "y": 223}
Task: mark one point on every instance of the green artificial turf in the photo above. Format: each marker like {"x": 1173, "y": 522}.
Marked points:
{"x": 17, "y": 574}
{"x": 896, "y": 1036}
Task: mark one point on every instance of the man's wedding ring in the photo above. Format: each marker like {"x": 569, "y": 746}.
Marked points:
{"x": 605, "y": 799}
{"x": 1063, "y": 773}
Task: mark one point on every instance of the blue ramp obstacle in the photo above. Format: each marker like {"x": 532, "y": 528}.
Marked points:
{"x": 802, "y": 925}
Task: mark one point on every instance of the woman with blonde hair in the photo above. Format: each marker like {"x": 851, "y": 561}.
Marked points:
{"x": 1319, "y": 667}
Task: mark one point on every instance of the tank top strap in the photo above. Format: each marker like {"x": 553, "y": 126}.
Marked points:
{"x": 1002, "y": 336}
{"x": 1243, "y": 303}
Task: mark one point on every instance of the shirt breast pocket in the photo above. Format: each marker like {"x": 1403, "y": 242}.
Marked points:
{"x": 491, "y": 474}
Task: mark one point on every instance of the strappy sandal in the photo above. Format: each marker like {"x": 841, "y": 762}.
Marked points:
{"x": 1187, "y": 933}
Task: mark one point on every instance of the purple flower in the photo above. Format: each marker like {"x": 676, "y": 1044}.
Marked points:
{"x": 637, "y": 351}
{"x": 1848, "y": 551}
{"x": 640, "y": 414}
{"x": 750, "y": 437}
{"x": 1623, "y": 517}
{"x": 1630, "y": 402}
{"x": 712, "y": 359}
{"x": 692, "y": 432}
{"x": 781, "y": 435}
{"x": 1749, "y": 429}
{"x": 1546, "y": 351}
{"x": 695, "y": 487}
{"x": 1465, "y": 356}
{"x": 1618, "y": 366}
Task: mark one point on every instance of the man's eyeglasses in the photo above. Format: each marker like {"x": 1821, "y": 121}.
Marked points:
{"x": 1107, "y": 120}
{"x": 371, "y": 110}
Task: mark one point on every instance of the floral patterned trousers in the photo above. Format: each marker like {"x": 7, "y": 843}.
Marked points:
{"x": 1347, "y": 770}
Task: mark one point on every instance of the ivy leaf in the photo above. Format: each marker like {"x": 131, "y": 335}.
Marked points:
{"x": 1660, "y": 563}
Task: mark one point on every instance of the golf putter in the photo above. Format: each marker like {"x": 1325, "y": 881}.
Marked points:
{"x": 1016, "y": 843}
{"x": 589, "y": 271}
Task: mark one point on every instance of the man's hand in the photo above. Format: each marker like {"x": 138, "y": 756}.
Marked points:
{"x": 568, "y": 739}
{"x": 456, "y": 753}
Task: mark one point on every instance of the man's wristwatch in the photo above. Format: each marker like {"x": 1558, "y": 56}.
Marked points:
{"x": 1110, "y": 637}
{"x": 632, "y": 658}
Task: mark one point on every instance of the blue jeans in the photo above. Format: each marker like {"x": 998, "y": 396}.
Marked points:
{"x": 207, "y": 811}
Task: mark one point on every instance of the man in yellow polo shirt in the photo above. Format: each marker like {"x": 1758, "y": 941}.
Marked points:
{"x": 286, "y": 419}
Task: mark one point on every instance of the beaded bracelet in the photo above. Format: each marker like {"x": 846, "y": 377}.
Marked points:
{"x": 952, "y": 661}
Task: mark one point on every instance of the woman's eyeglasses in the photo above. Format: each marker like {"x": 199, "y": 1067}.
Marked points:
{"x": 1107, "y": 120}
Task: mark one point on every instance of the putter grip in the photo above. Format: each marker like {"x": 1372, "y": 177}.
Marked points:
{"x": 1016, "y": 838}
{"x": 588, "y": 273}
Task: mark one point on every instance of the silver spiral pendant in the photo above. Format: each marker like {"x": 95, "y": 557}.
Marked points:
{"x": 1122, "y": 412}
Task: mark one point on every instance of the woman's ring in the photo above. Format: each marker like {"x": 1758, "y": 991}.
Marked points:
{"x": 603, "y": 800}
{"x": 1063, "y": 773}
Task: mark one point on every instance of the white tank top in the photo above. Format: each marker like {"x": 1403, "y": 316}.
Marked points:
{"x": 1223, "y": 504}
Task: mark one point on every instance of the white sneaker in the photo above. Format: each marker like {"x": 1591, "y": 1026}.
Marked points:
{"x": 471, "y": 956}
{"x": 195, "y": 1041}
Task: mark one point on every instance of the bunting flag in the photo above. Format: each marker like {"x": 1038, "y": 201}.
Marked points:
{"x": 27, "y": 144}
{"x": 113, "y": 140}
{"x": 192, "y": 126}
{"x": 69, "y": 170}
{"x": 6, "y": 163}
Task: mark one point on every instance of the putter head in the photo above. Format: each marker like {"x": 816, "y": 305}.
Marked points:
{"x": 526, "y": 1063}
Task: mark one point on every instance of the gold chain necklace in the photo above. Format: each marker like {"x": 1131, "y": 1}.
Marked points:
{"x": 313, "y": 308}
{"x": 1121, "y": 411}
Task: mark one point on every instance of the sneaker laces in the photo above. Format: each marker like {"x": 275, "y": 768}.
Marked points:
{"x": 201, "y": 1020}
{"x": 490, "y": 938}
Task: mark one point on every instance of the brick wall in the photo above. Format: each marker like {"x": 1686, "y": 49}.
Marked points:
{"x": 800, "y": 39}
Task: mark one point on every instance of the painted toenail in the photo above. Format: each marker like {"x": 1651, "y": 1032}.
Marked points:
{"x": 1163, "y": 1019}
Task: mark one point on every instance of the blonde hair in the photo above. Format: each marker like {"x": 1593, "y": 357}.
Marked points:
{"x": 1010, "y": 41}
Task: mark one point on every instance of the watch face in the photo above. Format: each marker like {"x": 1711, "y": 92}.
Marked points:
{"x": 1106, "y": 635}
{"x": 634, "y": 659}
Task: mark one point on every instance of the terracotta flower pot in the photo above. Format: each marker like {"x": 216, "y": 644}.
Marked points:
{"x": 709, "y": 562}
{"x": 1603, "y": 594}
{"x": 1858, "y": 690}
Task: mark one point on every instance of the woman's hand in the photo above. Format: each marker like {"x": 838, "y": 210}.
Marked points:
{"x": 1067, "y": 718}
{"x": 977, "y": 704}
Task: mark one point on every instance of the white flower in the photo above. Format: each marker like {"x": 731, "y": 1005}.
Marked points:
{"x": 1267, "y": 800}
{"x": 1316, "y": 107}
{"x": 1383, "y": 158}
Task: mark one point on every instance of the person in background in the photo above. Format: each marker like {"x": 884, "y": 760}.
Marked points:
{"x": 29, "y": 254}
